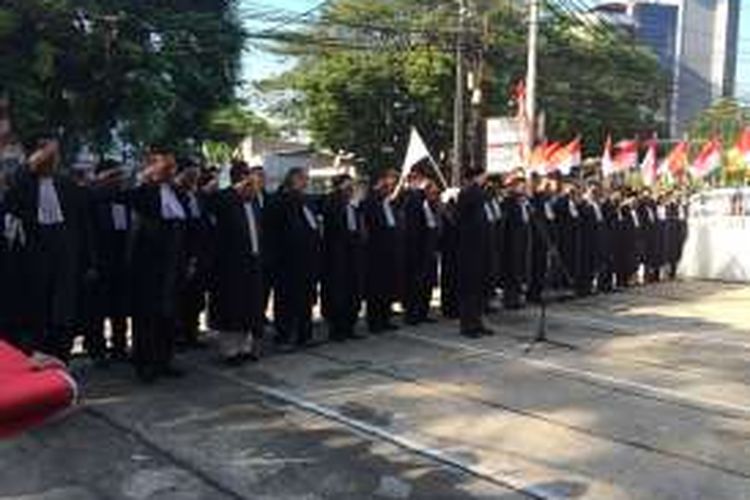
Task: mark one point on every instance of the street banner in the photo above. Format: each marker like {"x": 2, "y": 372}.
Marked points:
{"x": 504, "y": 145}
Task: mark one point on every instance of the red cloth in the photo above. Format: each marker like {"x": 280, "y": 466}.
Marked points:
{"x": 29, "y": 395}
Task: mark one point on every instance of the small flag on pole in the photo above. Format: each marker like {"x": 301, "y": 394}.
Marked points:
{"x": 676, "y": 163}
{"x": 649, "y": 165}
{"x": 626, "y": 156}
{"x": 415, "y": 153}
{"x": 608, "y": 166}
{"x": 708, "y": 160}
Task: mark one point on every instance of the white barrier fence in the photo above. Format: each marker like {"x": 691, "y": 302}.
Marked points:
{"x": 718, "y": 243}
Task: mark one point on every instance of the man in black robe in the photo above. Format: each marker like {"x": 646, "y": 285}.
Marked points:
{"x": 568, "y": 231}
{"x": 421, "y": 233}
{"x": 626, "y": 241}
{"x": 676, "y": 229}
{"x": 237, "y": 294}
{"x": 111, "y": 223}
{"x": 543, "y": 220}
{"x": 648, "y": 236}
{"x": 474, "y": 249}
{"x": 297, "y": 243}
{"x": 52, "y": 215}
{"x": 592, "y": 245}
{"x": 516, "y": 238}
{"x": 158, "y": 266}
{"x": 384, "y": 253}
{"x": 198, "y": 245}
{"x": 343, "y": 266}
{"x": 449, "y": 256}
{"x": 495, "y": 195}
{"x": 605, "y": 282}
{"x": 263, "y": 202}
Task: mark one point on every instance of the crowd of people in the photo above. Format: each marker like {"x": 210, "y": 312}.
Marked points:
{"x": 152, "y": 255}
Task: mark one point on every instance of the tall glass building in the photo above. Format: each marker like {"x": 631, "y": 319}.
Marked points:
{"x": 696, "y": 43}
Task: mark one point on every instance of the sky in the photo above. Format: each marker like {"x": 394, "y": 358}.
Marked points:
{"x": 258, "y": 65}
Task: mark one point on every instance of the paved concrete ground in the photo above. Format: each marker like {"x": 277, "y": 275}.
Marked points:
{"x": 643, "y": 395}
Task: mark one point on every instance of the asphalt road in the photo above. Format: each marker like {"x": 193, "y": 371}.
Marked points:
{"x": 639, "y": 395}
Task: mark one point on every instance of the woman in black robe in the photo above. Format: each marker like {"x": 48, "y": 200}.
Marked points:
{"x": 237, "y": 294}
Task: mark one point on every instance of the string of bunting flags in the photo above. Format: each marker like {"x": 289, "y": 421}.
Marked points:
{"x": 623, "y": 156}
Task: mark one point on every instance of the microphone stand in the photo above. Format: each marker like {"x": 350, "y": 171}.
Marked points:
{"x": 554, "y": 264}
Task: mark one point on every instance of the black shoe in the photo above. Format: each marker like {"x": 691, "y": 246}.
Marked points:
{"x": 430, "y": 321}
{"x": 488, "y": 332}
{"x": 390, "y": 327}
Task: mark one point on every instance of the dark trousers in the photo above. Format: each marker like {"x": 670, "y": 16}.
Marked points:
{"x": 293, "y": 304}
{"x": 418, "y": 295}
{"x": 379, "y": 313}
{"x": 153, "y": 344}
{"x": 471, "y": 309}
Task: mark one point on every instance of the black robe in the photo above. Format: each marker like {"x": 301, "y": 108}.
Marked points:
{"x": 237, "y": 295}
{"x": 159, "y": 264}
{"x": 590, "y": 248}
{"x": 568, "y": 230}
{"x": 648, "y": 235}
{"x": 51, "y": 263}
{"x": 343, "y": 267}
{"x": 421, "y": 243}
{"x": 607, "y": 247}
{"x": 474, "y": 256}
{"x": 383, "y": 262}
{"x": 449, "y": 261}
{"x": 541, "y": 238}
{"x": 626, "y": 255}
{"x": 676, "y": 234}
{"x": 297, "y": 247}
{"x": 516, "y": 239}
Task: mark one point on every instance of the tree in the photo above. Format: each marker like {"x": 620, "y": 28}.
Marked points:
{"x": 147, "y": 71}
{"x": 368, "y": 70}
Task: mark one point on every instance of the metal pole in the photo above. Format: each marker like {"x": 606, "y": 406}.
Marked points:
{"x": 459, "y": 135}
{"x": 531, "y": 72}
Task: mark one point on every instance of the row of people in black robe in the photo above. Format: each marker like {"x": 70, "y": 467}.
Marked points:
{"x": 172, "y": 246}
{"x": 554, "y": 234}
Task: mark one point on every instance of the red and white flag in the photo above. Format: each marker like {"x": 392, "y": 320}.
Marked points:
{"x": 608, "y": 165}
{"x": 626, "y": 155}
{"x": 650, "y": 166}
{"x": 564, "y": 157}
{"x": 708, "y": 160}
{"x": 676, "y": 163}
{"x": 743, "y": 145}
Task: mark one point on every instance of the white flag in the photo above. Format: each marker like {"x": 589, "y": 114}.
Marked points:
{"x": 416, "y": 152}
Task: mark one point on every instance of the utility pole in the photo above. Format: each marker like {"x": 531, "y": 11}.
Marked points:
{"x": 531, "y": 72}
{"x": 459, "y": 122}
